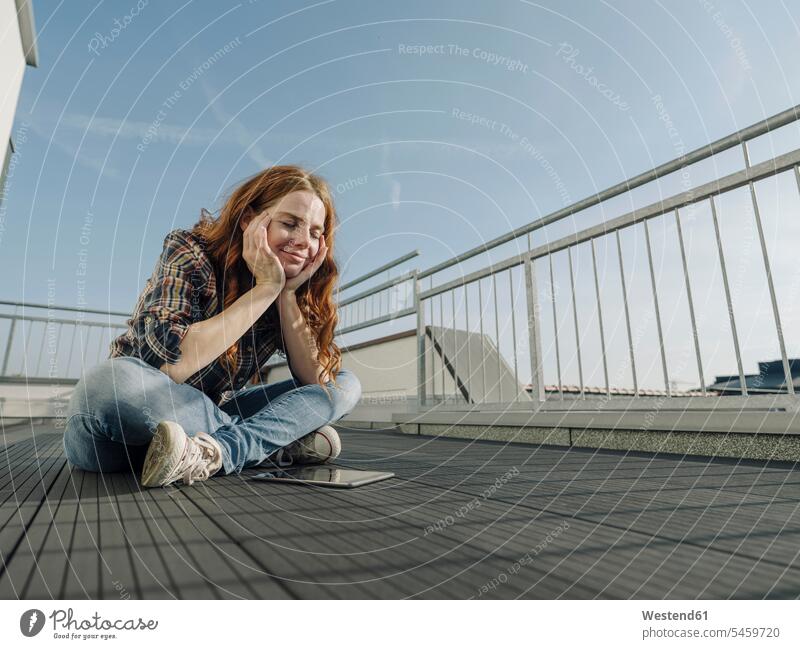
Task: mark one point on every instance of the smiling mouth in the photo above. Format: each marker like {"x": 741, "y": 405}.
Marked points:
{"x": 293, "y": 256}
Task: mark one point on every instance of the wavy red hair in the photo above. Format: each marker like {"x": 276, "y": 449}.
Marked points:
{"x": 224, "y": 242}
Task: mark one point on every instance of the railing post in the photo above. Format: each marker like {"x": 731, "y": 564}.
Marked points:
{"x": 8, "y": 346}
{"x": 420, "y": 309}
{"x": 534, "y": 339}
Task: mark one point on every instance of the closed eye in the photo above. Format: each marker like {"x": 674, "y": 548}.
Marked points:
{"x": 317, "y": 233}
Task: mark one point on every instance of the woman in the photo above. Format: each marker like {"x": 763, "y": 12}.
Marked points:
{"x": 171, "y": 400}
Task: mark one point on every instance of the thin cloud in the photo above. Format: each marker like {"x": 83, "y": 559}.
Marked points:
{"x": 234, "y": 128}
{"x": 82, "y": 159}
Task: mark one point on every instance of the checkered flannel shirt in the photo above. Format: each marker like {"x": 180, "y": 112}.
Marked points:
{"x": 183, "y": 289}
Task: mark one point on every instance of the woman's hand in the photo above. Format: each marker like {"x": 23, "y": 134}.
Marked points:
{"x": 293, "y": 283}
{"x": 262, "y": 262}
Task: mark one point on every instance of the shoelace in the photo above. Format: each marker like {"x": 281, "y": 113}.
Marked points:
{"x": 283, "y": 457}
{"x": 196, "y": 460}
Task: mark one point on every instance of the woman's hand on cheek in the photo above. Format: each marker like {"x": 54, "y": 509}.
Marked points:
{"x": 292, "y": 284}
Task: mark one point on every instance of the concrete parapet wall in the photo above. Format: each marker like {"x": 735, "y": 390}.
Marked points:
{"x": 757, "y": 446}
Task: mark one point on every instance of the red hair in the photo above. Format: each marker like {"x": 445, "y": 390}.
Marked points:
{"x": 224, "y": 242}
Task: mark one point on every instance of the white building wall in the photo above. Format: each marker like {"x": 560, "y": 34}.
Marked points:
{"x": 12, "y": 69}
{"x": 387, "y": 370}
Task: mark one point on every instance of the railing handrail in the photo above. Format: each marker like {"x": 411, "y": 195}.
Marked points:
{"x": 32, "y": 305}
{"x": 389, "y": 283}
{"x": 676, "y": 201}
{"x": 723, "y": 144}
{"x": 376, "y": 271}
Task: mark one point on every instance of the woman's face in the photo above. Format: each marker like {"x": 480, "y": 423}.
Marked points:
{"x": 298, "y": 221}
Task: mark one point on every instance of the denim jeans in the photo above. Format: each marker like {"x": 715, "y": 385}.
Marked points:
{"x": 115, "y": 408}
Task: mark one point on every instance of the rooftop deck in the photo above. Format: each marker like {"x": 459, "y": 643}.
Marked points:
{"x": 566, "y": 523}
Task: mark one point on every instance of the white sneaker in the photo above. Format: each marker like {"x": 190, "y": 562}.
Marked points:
{"x": 319, "y": 446}
{"x": 173, "y": 455}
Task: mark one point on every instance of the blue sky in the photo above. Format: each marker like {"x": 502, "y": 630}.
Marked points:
{"x": 433, "y": 121}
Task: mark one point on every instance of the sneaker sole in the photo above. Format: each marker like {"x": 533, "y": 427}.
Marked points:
{"x": 162, "y": 454}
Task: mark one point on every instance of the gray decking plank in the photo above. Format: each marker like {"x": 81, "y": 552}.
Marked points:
{"x": 230, "y": 537}
{"x": 729, "y": 518}
{"x": 162, "y": 568}
{"x": 288, "y": 542}
{"x": 356, "y": 570}
{"x": 147, "y": 564}
{"x": 224, "y": 559}
{"x": 31, "y": 480}
{"x": 82, "y": 581}
{"x": 31, "y": 563}
{"x": 199, "y": 547}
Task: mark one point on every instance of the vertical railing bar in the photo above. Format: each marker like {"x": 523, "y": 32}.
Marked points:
{"x": 100, "y": 345}
{"x": 534, "y": 340}
{"x": 434, "y": 336}
{"x": 455, "y": 343}
{"x": 497, "y": 340}
{"x": 85, "y": 355}
{"x": 470, "y": 398}
{"x": 575, "y": 319}
{"x": 58, "y": 340}
{"x": 433, "y": 350}
{"x": 41, "y": 350}
{"x": 555, "y": 326}
{"x": 770, "y": 284}
{"x": 514, "y": 335}
{"x": 24, "y": 365}
{"x": 419, "y": 307}
{"x": 11, "y": 330}
{"x": 728, "y": 297}
{"x": 483, "y": 348}
{"x": 82, "y": 346}
{"x": 600, "y": 318}
{"x": 627, "y": 315}
{"x": 441, "y": 347}
{"x": 71, "y": 346}
{"x": 695, "y": 335}
{"x": 658, "y": 310}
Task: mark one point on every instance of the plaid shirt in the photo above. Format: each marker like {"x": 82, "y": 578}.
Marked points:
{"x": 183, "y": 289}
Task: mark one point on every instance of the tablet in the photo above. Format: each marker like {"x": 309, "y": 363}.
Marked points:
{"x": 324, "y": 475}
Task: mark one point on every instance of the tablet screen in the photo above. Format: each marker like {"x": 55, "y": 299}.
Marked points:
{"x": 333, "y": 476}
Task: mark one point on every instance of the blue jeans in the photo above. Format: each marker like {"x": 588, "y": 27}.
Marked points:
{"x": 115, "y": 408}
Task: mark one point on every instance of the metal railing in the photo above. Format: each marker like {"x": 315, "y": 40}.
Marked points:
{"x": 479, "y": 363}
{"x": 482, "y": 337}
{"x": 53, "y": 345}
